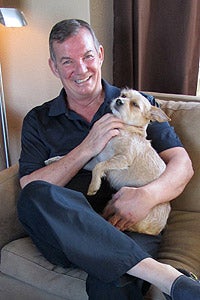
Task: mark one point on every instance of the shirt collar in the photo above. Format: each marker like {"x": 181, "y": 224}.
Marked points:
{"x": 58, "y": 106}
{"x": 111, "y": 91}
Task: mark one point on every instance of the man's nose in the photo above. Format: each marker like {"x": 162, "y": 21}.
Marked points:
{"x": 80, "y": 67}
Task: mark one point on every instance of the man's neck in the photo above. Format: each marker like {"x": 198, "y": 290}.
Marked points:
{"x": 86, "y": 107}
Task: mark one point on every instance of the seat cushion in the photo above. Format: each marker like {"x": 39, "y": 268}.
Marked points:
{"x": 180, "y": 242}
{"x": 22, "y": 260}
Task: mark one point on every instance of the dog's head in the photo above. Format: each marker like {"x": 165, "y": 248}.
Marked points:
{"x": 135, "y": 109}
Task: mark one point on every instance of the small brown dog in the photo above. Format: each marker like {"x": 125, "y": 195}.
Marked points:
{"x": 129, "y": 159}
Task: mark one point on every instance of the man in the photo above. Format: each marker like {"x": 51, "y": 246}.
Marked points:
{"x": 63, "y": 223}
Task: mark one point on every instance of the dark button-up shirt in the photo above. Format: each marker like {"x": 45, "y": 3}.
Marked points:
{"x": 53, "y": 130}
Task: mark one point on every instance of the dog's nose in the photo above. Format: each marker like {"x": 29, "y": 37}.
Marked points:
{"x": 119, "y": 102}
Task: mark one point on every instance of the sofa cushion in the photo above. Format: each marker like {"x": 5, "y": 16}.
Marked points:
{"x": 21, "y": 260}
{"x": 181, "y": 243}
{"x": 185, "y": 117}
{"x": 10, "y": 227}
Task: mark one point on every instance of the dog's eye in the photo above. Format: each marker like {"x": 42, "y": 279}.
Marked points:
{"x": 134, "y": 104}
{"x": 123, "y": 96}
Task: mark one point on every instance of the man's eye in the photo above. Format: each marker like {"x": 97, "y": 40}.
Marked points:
{"x": 89, "y": 57}
{"x": 67, "y": 62}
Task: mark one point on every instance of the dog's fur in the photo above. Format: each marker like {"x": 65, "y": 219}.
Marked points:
{"x": 129, "y": 159}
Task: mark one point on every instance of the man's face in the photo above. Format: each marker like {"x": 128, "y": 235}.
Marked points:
{"x": 78, "y": 65}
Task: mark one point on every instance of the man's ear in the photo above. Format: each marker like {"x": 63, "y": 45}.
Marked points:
{"x": 53, "y": 68}
{"x": 101, "y": 54}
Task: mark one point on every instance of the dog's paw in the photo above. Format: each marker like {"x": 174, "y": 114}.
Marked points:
{"x": 94, "y": 185}
{"x": 92, "y": 191}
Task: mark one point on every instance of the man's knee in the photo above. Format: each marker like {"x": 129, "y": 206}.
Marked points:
{"x": 34, "y": 188}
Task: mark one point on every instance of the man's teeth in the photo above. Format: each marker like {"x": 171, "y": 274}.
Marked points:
{"x": 81, "y": 80}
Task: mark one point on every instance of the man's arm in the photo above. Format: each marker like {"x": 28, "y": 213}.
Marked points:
{"x": 130, "y": 205}
{"x": 63, "y": 170}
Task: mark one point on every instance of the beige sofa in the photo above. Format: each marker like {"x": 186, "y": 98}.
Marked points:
{"x": 25, "y": 274}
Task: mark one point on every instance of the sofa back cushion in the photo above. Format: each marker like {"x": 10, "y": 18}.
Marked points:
{"x": 180, "y": 244}
{"x": 185, "y": 118}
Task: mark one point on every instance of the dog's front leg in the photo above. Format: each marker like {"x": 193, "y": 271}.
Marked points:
{"x": 97, "y": 173}
{"x": 100, "y": 170}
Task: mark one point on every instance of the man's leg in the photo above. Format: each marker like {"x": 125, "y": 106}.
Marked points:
{"x": 63, "y": 220}
{"x": 126, "y": 287}
{"x": 99, "y": 290}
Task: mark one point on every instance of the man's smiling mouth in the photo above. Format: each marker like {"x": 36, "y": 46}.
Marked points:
{"x": 79, "y": 81}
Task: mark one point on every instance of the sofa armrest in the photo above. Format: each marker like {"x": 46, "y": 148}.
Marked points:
{"x": 10, "y": 227}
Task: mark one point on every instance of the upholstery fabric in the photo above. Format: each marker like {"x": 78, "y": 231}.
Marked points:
{"x": 185, "y": 117}
{"x": 22, "y": 260}
{"x": 10, "y": 228}
{"x": 180, "y": 244}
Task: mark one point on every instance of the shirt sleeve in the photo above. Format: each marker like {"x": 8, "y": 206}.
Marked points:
{"x": 33, "y": 150}
{"x": 161, "y": 135}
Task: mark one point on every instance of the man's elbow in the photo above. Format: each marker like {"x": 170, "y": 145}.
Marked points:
{"x": 187, "y": 169}
{"x": 190, "y": 170}
{"x": 24, "y": 181}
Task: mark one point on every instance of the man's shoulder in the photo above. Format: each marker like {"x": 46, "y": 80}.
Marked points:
{"x": 51, "y": 107}
{"x": 150, "y": 98}
{"x": 111, "y": 91}
{"x": 42, "y": 109}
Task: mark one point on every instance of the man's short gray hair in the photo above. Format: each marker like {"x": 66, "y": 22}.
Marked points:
{"x": 67, "y": 28}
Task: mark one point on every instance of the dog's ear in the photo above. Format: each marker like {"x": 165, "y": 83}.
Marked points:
{"x": 157, "y": 114}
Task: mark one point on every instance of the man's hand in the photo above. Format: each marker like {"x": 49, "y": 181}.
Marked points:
{"x": 100, "y": 134}
{"x": 127, "y": 207}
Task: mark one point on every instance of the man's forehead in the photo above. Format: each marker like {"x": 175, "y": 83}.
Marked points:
{"x": 82, "y": 40}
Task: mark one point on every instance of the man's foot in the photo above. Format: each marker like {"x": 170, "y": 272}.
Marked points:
{"x": 185, "y": 288}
